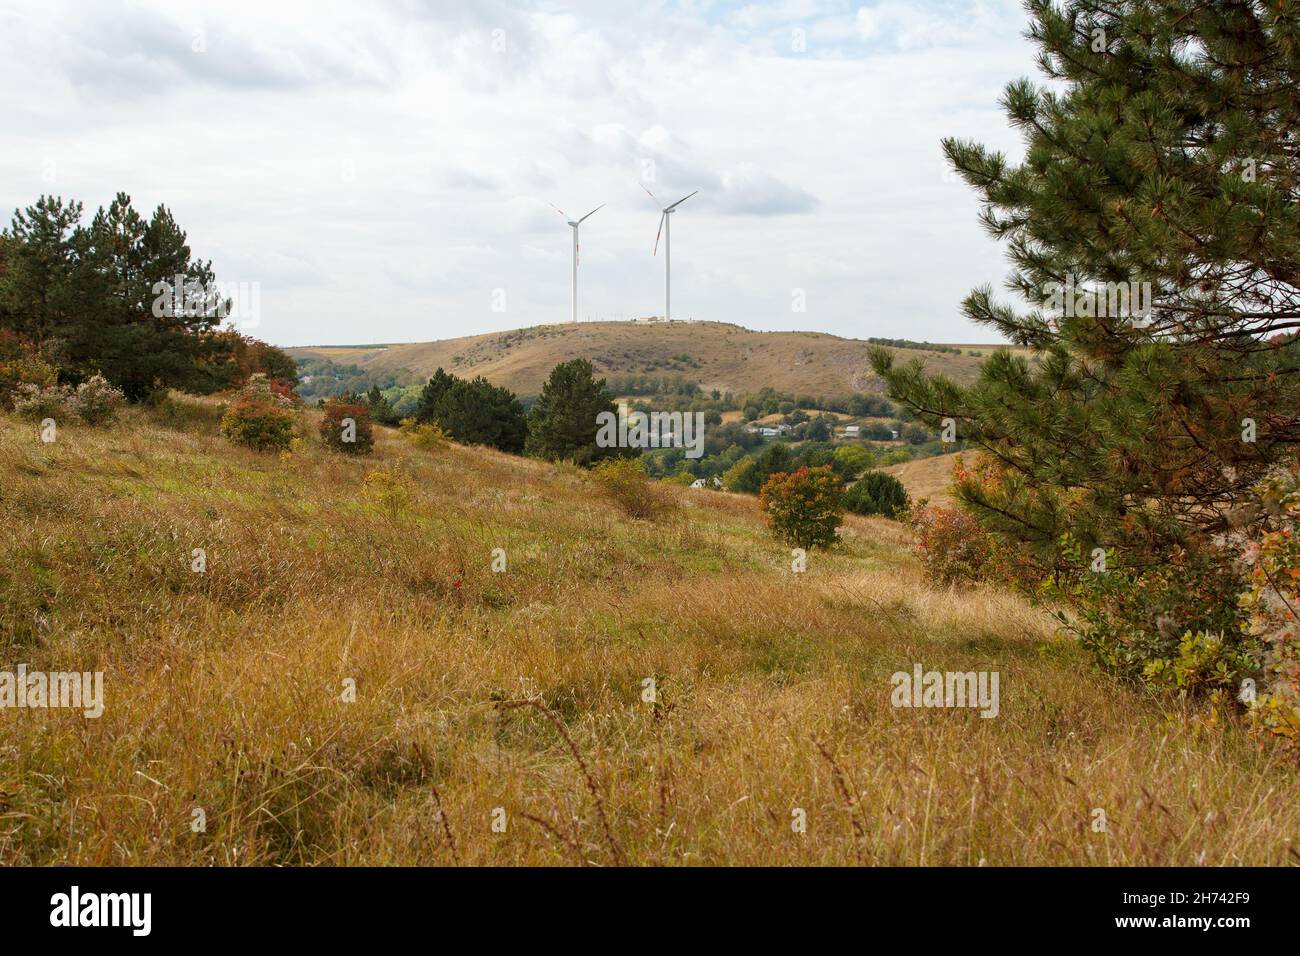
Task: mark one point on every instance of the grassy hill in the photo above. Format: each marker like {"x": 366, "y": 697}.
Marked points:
{"x": 224, "y": 690}
{"x": 926, "y": 477}
{"x": 717, "y": 355}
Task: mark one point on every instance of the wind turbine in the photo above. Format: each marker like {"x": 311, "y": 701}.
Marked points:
{"x": 666, "y": 228}
{"x": 573, "y": 289}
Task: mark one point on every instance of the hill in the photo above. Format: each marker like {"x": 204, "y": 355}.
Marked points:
{"x": 714, "y": 354}
{"x": 926, "y": 478}
{"x": 348, "y": 681}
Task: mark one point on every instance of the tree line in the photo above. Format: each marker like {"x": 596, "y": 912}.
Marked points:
{"x": 103, "y": 298}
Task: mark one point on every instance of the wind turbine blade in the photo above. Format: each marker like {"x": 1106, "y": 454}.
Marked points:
{"x": 649, "y": 193}
{"x": 593, "y": 212}
{"x": 662, "y": 217}
{"x": 682, "y": 200}
{"x": 557, "y": 209}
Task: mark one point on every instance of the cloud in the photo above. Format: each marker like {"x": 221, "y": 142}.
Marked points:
{"x": 382, "y": 168}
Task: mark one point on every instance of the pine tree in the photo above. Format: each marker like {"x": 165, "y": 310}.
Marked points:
{"x": 432, "y": 392}
{"x": 477, "y": 412}
{"x": 562, "y": 425}
{"x": 87, "y": 296}
{"x": 1162, "y": 165}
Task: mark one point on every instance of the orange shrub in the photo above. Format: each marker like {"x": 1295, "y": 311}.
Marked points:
{"x": 804, "y": 509}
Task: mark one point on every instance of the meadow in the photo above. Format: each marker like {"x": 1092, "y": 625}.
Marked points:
{"x": 349, "y": 681}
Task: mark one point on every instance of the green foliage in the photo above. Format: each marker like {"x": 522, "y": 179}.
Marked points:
{"x": 803, "y": 509}
{"x": 909, "y": 344}
{"x": 1173, "y": 622}
{"x": 564, "y": 421}
{"x": 424, "y": 435}
{"x": 380, "y": 409}
{"x": 1153, "y": 224}
{"x": 850, "y": 461}
{"x": 345, "y": 427}
{"x": 774, "y": 459}
{"x": 624, "y": 481}
{"x": 93, "y": 299}
{"x": 426, "y": 408}
{"x": 473, "y": 412}
{"x": 876, "y": 493}
{"x": 21, "y": 363}
{"x": 325, "y": 378}
{"x": 480, "y": 413}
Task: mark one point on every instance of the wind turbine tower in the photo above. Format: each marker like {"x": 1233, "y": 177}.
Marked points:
{"x": 573, "y": 288}
{"x": 666, "y": 229}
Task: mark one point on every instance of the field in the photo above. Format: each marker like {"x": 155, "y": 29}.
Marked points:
{"x": 722, "y": 356}
{"x": 926, "y": 478}
{"x": 501, "y": 718}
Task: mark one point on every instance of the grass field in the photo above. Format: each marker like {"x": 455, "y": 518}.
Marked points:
{"x": 517, "y": 697}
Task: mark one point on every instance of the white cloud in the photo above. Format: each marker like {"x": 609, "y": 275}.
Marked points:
{"x": 380, "y": 169}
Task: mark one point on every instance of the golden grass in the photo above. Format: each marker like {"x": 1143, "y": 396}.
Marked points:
{"x": 730, "y": 358}
{"x": 224, "y": 689}
{"x": 929, "y": 478}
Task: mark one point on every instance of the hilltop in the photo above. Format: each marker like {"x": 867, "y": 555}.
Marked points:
{"x": 714, "y": 354}
{"x": 330, "y": 689}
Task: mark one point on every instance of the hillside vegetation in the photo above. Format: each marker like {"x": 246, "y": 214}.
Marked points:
{"x": 523, "y": 690}
{"x": 714, "y": 354}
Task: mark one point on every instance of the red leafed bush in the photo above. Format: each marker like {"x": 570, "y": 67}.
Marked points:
{"x": 952, "y": 545}
{"x": 346, "y": 428}
{"x": 258, "y": 424}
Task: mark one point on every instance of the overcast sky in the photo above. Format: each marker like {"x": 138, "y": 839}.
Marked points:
{"x": 382, "y": 169}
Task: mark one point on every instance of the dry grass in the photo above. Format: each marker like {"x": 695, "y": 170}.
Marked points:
{"x": 223, "y": 689}
{"x": 929, "y": 478}
{"x": 729, "y": 357}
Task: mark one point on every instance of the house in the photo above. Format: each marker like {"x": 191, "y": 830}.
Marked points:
{"x": 713, "y": 482}
{"x": 850, "y": 431}
{"x": 769, "y": 432}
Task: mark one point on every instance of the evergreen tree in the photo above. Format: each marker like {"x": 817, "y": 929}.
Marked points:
{"x": 480, "y": 413}
{"x": 1166, "y": 155}
{"x": 563, "y": 423}
{"x": 88, "y": 295}
{"x": 432, "y": 393}
{"x": 381, "y": 410}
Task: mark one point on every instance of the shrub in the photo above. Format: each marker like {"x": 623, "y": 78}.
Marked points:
{"x": 1170, "y": 622}
{"x": 275, "y": 392}
{"x": 390, "y": 491}
{"x": 951, "y": 545}
{"x": 36, "y": 402}
{"x": 877, "y": 493}
{"x": 427, "y": 435}
{"x": 21, "y": 364}
{"x": 624, "y": 481}
{"x": 1272, "y": 602}
{"x": 258, "y": 424}
{"x": 803, "y": 509}
{"x": 96, "y": 401}
{"x": 346, "y": 428}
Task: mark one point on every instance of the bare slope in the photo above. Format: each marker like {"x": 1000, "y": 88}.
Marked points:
{"x": 715, "y": 354}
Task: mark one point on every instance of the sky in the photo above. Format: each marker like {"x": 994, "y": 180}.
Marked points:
{"x": 383, "y": 171}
